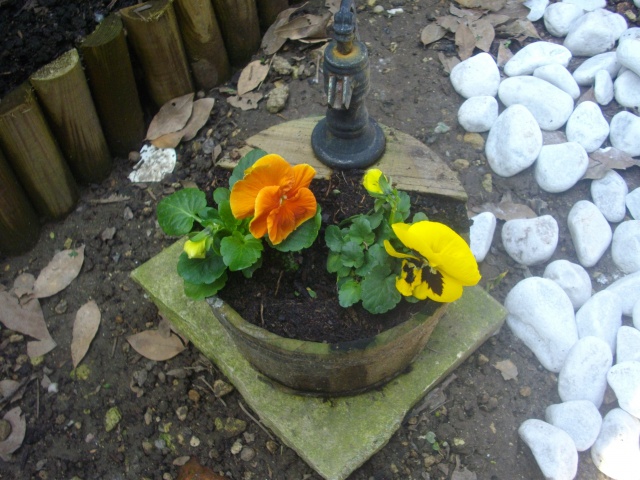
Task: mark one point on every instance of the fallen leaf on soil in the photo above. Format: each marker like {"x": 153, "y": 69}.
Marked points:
{"x": 252, "y": 76}
{"x": 26, "y": 318}
{"x": 23, "y": 285}
{"x": 483, "y": 32}
{"x": 448, "y": 62}
{"x": 605, "y": 159}
{"x": 40, "y": 347}
{"x": 520, "y": 29}
{"x": 333, "y": 5}
{"x": 305, "y": 27}
{"x": 461, "y": 473}
{"x": 180, "y": 461}
{"x": 171, "y": 117}
{"x": 152, "y": 345}
{"x": 504, "y": 54}
{"x": 496, "y": 19}
{"x": 272, "y": 42}
{"x": 192, "y": 470}
{"x": 432, "y": 33}
{"x": 507, "y": 209}
{"x": 588, "y": 96}
{"x": 247, "y": 102}
{"x": 8, "y": 388}
{"x": 493, "y": 5}
{"x": 85, "y": 328}
{"x": 115, "y": 198}
{"x": 16, "y": 437}
{"x": 507, "y": 369}
{"x": 465, "y": 41}
{"x": 59, "y": 273}
{"x": 449, "y": 22}
{"x": 554, "y": 137}
{"x": 199, "y": 116}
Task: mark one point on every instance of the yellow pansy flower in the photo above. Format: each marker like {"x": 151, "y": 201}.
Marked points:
{"x": 371, "y": 180}
{"x": 196, "y": 249}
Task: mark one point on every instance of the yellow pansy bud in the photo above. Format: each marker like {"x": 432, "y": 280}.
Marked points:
{"x": 371, "y": 180}
{"x": 196, "y": 249}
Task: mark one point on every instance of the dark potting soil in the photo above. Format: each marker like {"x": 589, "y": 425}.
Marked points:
{"x": 293, "y": 295}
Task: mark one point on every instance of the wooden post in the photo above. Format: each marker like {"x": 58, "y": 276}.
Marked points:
{"x": 203, "y": 42}
{"x": 35, "y": 156}
{"x": 19, "y": 224}
{"x": 268, "y": 11}
{"x": 240, "y": 27}
{"x": 65, "y": 97}
{"x": 154, "y": 34}
{"x": 113, "y": 85}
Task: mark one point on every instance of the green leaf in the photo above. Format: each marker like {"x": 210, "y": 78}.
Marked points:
{"x": 200, "y": 291}
{"x": 249, "y": 271}
{"x": 333, "y": 238}
{"x": 352, "y": 254}
{"x": 221, "y": 194}
{"x": 240, "y": 251}
{"x": 312, "y": 293}
{"x": 229, "y": 221}
{"x": 374, "y": 256}
{"x": 349, "y": 293}
{"x": 303, "y": 236}
{"x": 208, "y": 215}
{"x": 361, "y": 232}
{"x": 201, "y": 270}
{"x": 245, "y": 162}
{"x": 334, "y": 265}
{"x": 375, "y": 219}
{"x": 404, "y": 207}
{"x": 177, "y": 212}
{"x": 419, "y": 217}
{"x": 379, "y": 292}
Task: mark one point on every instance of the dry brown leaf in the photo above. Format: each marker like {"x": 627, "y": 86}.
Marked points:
{"x": 85, "y": 328}
{"x": 492, "y": 5}
{"x": 305, "y": 26}
{"x": 448, "y": 62}
{"x": 605, "y": 159}
{"x": 333, "y": 5}
{"x": 16, "y": 437}
{"x": 171, "y": 117}
{"x": 466, "y": 14}
{"x": 199, "y": 116}
{"x": 507, "y": 209}
{"x": 152, "y": 345}
{"x": 504, "y": 54}
{"x": 588, "y": 96}
{"x": 461, "y": 473}
{"x": 514, "y": 9}
{"x": 496, "y": 19}
{"x": 246, "y": 102}
{"x": 26, "y": 318}
{"x": 40, "y": 347}
{"x": 507, "y": 369}
{"x": 553, "y": 137}
{"x": 8, "y": 388}
{"x": 168, "y": 140}
{"x": 520, "y": 29}
{"x": 432, "y": 33}
{"x": 192, "y": 470}
{"x": 59, "y": 273}
{"x": 449, "y": 22}
{"x": 484, "y": 34}
{"x": 465, "y": 41}
{"x": 271, "y": 42}
{"x": 252, "y": 76}
{"x": 23, "y": 285}
{"x": 114, "y": 198}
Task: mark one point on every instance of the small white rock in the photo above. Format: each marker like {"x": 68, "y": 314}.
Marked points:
{"x": 586, "y": 73}
{"x": 541, "y": 315}
{"x": 587, "y": 126}
{"x": 553, "y": 448}
{"x": 603, "y": 87}
{"x": 481, "y": 234}
{"x": 476, "y": 76}
{"x": 608, "y": 194}
{"x": 629, "y": 33}
{"x": 625, "y": 133}
{"x": 624, "y": 379}
{"x": 625, "y": 246}
{"x": 626, "y": 89}
{"x": 600, "y": 316}
{"x": 632, "y": 201}
{"x": 560, "y": 77}
{"x": 558, "y": 18}
{"x": 594, "y": 32}
{"x": 588, "y": 5}
{"x": 636, "y": 314}
{"x": 537, "y": 8}
{"x": 535, "y": 55}
{"x": 628, "y": 344}
{"x": 478, "y": 114}
{"x": 615, "y": 452}
{"x": 590, "y": 232}
{"x": 514, "y": 141}
{"x": 629, "y": 54}
{"x": 579, "y": 418}
{"x": 628, "y": 289}
{"x": 584, "y": 373}
{"x": 572, "y": 278}
{"x": 530, "y": 241}
{"x": 559, "y": 167}
{"x": 550, "y": 106}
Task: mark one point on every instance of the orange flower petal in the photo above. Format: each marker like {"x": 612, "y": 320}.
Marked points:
{"x": 267, "y": 200}
{"x": 292, "y": 213}
{"x": 302, "y": 176}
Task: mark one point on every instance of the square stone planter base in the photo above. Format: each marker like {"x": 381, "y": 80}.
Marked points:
{"x": 334, "y": 437}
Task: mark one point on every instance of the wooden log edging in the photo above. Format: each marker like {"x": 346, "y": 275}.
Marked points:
{"x": 112, "y": 82}
{"x": 268, "y": 11}
{"x": 238, "y": 20}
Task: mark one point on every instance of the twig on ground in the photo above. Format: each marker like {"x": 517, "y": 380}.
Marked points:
{"x": 255, "y": 420}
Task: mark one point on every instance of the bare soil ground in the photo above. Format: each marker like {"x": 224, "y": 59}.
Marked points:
{"x": 66, "y": 436}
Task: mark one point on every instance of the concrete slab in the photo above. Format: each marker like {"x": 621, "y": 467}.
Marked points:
{"x": 334, "y": 437}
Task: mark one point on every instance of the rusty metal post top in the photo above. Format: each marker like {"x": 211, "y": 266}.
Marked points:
{"x": 347, "y": 138}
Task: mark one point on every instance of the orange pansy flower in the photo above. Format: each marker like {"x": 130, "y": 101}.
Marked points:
{"x": 276, "y": 195}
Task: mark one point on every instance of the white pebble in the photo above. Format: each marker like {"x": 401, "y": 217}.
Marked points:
{"x": 559, "y": 167}
{"x": 541, "y": 315}
{"x": 530, "y": 241}
{"x": 554, "y": 450}
{"x": 588, "y": 5}
{"x": 535, "y": 55}
{"x": 628, "y": 344}
{"x": 594, "y": 32}
{"x": 629, "y": 33}
{"x": 560, "y": 77}
{"x": 572, "y": 278}
{"x": 626, "y": 89}
{"x": 558, "y": 18}
{"x": 603, "y": 87}
{"x": 600, "y": 316}
{"x": 590, "y": 232}
{"x": 608, "y": 194}
{"x": 550, "y": 106}
{"x": 625, "y": 246}
{"x": 636, "y": 314}
{"x": 481, "y": 234}
{"x": 579, "y": 418}
{"x": 514, "y": 141}
{"x": 624, "y": 380}
{"x": 632, "y": 200}
{"x": 537, "y": 8}
{"x": 476, "y": 76}
{"x": 584, "y": 373}
{"x": 586, "y": 73}
{"x": 628, "y": 289}
{"x": 478, "y": 114}
{"x": 615, "y": 452}
{"x": 587, "y": 126}
{"x": 625, "y": 133}
{"x": 629, "y": 54}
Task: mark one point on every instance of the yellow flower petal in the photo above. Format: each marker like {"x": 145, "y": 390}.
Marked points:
{"x": 394, "y": 253}
{"x": 371, "y": 180}
{"x": 196, "y": 249}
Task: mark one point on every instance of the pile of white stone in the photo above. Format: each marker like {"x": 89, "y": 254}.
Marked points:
{"x": 572, "y": 332}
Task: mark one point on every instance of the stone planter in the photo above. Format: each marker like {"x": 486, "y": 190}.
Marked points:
{"x": 329, "y": 368}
